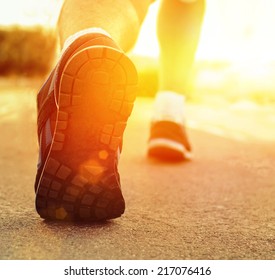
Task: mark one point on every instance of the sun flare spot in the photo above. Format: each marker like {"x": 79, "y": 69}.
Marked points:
{"x": 60, "y": 213}
{"x": 103, "y": 155}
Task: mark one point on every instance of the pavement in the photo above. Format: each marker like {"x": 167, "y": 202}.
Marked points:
{"x": 220, "y": 205}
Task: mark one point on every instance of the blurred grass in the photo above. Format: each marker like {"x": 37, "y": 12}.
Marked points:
{"x": 28, "y": 54}
{"x": 26, "y": 51}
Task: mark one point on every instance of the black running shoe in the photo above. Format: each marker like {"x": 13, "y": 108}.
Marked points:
{"x": 83, "y": 109}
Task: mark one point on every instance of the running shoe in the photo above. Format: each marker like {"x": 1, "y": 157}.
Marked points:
{"x": 168, "y": 139}
{"x": 168, "y": 142}
{"x": 83, "y": 109}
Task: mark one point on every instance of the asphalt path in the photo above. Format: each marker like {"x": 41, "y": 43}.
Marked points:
{"x": 220, "y": 205}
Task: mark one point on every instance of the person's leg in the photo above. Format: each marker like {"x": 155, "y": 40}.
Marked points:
{"x": 178, "y": 29}
{"x": 120, "y": 18}
{"x": 83, "y": 110}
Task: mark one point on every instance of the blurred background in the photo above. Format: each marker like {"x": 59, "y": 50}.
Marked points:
{"x": 235, "y": 59}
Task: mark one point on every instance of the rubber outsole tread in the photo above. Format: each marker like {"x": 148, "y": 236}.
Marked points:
{"x": 79, "y": 181}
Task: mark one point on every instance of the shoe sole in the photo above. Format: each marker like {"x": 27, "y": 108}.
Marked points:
{"x": 96, "y": 95}
{"x": 168, "y": 150}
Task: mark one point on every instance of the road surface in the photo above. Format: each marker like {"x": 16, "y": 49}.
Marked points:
{"x": 221, "y": 205}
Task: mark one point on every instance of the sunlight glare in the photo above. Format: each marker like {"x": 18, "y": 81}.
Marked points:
{"x": 234, "y": 31}
{"x": 29, "y": 12}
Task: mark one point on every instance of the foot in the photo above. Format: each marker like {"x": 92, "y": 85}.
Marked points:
{"x": 168, "y": 139}
{"x": 83, "y": 109}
